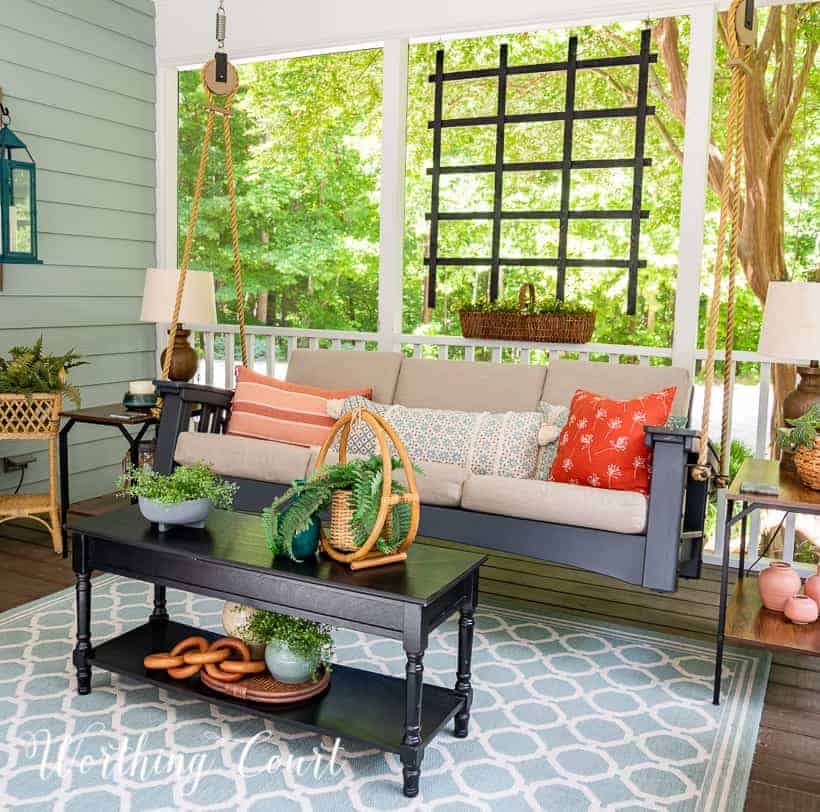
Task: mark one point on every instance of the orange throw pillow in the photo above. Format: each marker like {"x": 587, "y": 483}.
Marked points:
{"x": 268, "y": 409}
{"x": 603, "y": 443}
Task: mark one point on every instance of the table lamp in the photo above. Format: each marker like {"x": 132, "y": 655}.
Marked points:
{"x": 198, "y": 307}
{"x": 791, "y": 332}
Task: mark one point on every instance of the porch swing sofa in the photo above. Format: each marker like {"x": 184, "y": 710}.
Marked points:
{"x": 648, "y": 541}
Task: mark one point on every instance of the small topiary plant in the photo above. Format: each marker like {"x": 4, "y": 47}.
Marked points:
{"x": 187, "y": 482}
{"x": 303, "y": 637}
{"x": 30, "y": 371}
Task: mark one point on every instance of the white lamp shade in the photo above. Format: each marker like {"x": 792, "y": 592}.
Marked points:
{"x": 160, "y": 293}
{"x": 791, "y": 321}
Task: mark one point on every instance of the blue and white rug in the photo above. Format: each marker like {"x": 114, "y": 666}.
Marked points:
{"x": 569, "y": 714}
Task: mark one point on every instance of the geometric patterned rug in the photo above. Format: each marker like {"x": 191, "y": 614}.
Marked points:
{"x": 569, "y": 714}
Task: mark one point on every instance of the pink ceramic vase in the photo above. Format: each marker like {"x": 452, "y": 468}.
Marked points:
{"x": 801, "y": 609}
{"x": 777, "y": 583}
{"x": 813, "y": 587}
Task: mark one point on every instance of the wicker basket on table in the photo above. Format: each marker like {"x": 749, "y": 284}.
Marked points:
{"x": 807, "y": 463}
{"x": 34, "y": 417}
{"x": 339, "y": 543}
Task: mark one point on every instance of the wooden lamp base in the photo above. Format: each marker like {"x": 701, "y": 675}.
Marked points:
{"x": 184, "y": 360}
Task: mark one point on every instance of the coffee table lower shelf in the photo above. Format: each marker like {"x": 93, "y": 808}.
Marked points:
{"x": 360, "y": 705}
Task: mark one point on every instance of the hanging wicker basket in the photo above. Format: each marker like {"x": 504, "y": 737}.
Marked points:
{"x": 504, "y": 326}
{"x": 561, "y": 328}
{"x": 338, "y": 543}
{"x": 807, "y": 463}
{"x": 553, "y": 328}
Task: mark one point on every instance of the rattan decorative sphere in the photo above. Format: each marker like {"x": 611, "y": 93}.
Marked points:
{"x": 367, "y": 556}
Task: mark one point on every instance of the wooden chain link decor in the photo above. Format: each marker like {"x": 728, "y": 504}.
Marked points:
{"x": 192, "y": 654}
{"x": 366, "y": 556}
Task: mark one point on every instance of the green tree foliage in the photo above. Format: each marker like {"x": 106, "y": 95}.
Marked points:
{"x": 306, "y": 137}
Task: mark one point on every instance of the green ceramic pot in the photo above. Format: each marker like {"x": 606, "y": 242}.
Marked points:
{"x": 306, "y": 542}
{"x": 285, "y": 665}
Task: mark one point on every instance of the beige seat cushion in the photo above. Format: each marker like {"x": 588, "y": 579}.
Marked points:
{"x": 347, "y": 369}
{"x": 618, "y": 511}
{"x": 244, "y": 457}
{"x": 469, "y": 386}
{"x": 440, "y": 484}
{"x": 617, "y": 381}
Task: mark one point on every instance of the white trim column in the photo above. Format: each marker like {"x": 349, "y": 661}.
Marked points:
{"x": 167, "y": 138}
{"x": 391, "y": 237}
{"x": 700, "y": 84}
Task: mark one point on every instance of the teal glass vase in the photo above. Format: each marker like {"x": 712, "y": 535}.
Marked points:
{"x": 305, "y": 542}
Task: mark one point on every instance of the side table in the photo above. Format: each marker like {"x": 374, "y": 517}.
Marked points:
{"x": 112, "y": 414}
{"x": 743, "y": 619}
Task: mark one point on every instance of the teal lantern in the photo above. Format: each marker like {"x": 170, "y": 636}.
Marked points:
{"x": 18, "y": 197}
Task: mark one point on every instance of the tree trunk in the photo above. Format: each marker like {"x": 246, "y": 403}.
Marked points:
{"x": 261, "y": 309}
{"x": 772, "y": 97}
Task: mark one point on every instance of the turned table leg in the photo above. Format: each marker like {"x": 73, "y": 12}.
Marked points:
{"x": 412, "y": 751}
{"x": 160, "y": 612}
{"x": 82, "y": 650}
{"x": 464, "y": 686}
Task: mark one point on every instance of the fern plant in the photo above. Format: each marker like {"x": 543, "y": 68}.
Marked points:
{"x": 802, "y": 432}
{"x": 364, "y": 478}
{"x": 30, "y": 370}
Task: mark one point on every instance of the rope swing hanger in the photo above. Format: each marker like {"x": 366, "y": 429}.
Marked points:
{"x": 220, "y": 80}
{"x": 740, "y": 35}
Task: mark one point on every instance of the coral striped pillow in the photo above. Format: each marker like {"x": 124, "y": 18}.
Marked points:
{"x": 268, "y": 409}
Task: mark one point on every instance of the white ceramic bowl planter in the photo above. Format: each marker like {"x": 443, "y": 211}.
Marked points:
{"x": 190, "y": 513}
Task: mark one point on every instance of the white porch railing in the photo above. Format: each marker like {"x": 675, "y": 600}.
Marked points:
{"x": 271, "y": 347}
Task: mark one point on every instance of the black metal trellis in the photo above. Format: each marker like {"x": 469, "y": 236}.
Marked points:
{"x": 568, "y": 115}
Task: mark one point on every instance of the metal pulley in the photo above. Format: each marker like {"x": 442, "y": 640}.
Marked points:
{"x": 220, "y": 76}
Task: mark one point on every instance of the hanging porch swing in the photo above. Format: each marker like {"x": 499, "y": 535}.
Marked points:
{"x": 671, "y": 547}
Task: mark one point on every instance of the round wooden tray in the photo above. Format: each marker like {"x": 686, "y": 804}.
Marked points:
{"x": 264, "y": 688}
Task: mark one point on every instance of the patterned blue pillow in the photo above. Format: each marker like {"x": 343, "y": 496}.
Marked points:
{"x": 555, "y": 417}
{"x": 495, "y": 443}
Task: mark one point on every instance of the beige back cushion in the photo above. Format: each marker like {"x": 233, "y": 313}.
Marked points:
{"x": 469, "y": 386}
{"x": 347, "y": 369}
{"x": 617, "y": 381}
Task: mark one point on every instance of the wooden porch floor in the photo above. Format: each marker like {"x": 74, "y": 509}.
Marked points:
{"x": 784, "y": 776}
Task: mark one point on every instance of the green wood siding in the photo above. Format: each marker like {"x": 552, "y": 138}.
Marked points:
{"x": 79, "y": 78}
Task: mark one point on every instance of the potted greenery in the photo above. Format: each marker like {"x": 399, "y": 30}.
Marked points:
{"x": 295, "y": 649}
{"x": 547, "y": 320}
{"x": 360, "y": 481}
{"x": 30, "y": 371}
{"x": 803, "y": 438}
{"x": 184, "y": 497}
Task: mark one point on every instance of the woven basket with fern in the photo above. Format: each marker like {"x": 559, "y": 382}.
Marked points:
{"x": 31, "y": 372}
{"x": 373, "y": 518}
{"x": 803, "y": 438}
{"x": 352, "y": 491}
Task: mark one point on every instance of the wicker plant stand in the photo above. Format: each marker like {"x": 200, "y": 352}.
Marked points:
{"x": 338, "y": 543}
{"x": 34, "y": 417}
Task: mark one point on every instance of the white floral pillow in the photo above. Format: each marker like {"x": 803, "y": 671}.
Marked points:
{"x": 495, "y": 443}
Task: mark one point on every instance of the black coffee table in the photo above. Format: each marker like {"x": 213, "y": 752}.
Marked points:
{"x": 229, "y": 560}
